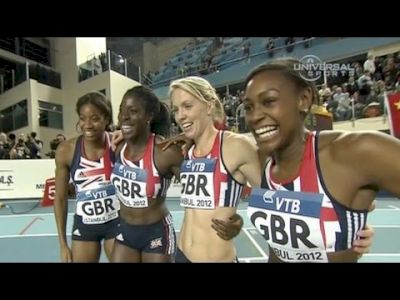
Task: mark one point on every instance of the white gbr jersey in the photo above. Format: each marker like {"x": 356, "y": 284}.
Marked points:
{"x": 206, "y": 183}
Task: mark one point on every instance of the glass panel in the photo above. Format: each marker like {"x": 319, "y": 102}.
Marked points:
{"x": 45, "y": 75}
{"x": 50, "y": 115}
{"x": 20, "y": 114}
{"x": 14, "y": 117}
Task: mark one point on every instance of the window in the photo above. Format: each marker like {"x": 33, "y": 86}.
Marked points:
{"x": 8, "y": 43}
{"x": 14, "y": 117}
{"x": 50, "y": 115}
{"x": 35, "y": 52}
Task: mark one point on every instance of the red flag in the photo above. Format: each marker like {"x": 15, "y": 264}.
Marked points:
{"x": 49, "y": 192}
{"x": 393, "y": 105}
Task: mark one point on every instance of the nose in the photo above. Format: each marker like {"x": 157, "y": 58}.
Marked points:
{"x": 123, "y": 115}
{"x": 254, "y": 116}
{"x": 179, "y": 115}
{"x": 86, "y": 122}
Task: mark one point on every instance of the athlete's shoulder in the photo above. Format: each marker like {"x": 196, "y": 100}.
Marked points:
{"x": 233, "y": 139}
{"x": 172, "y": 151}
{"x": 66, "y": 150}
{"x": 345, "y": 139}
{"x": 68, "y": 145}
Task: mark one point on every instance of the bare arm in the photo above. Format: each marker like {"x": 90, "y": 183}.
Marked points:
{"x": 180, "y": 140}
{"x": 169, "y": 159}
{"x": 242, "y": 154}
{"x": 375, "y": 157}
{"x": 62, "y": 159}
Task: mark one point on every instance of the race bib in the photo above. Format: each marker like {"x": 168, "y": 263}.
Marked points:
{"x": 97, "y": 206}
{"x": 131, "y": 185}
{"x": 290, "y": 222}
{"x": 197, "y": 180}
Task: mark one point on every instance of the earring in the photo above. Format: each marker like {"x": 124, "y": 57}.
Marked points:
{"x": 305, "y": 110}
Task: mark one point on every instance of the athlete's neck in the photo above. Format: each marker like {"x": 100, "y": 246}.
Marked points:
{"x": 95, "y": 143}
{"x": 205, "y": 142}
{"x": 137, "y": 145}
{"x": 291, "y": 156}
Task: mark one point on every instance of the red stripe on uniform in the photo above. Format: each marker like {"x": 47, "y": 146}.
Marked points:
{"x": 308, "y": 171}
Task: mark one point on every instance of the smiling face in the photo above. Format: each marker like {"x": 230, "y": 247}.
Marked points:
{"x": 133, "y": 118}
{"x": 92, "y": 122}
{"x": 275, "y": 107}
{"x": 191, "y": 114}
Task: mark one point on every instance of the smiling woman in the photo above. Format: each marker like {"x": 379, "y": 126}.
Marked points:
{"x": 316, "y": 187}
{"x": 88, "y": 161}
{"x": 142, "y": 176}
{"x": 212, "y": 175}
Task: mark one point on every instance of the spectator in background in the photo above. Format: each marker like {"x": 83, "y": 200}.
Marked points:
{"x": 352, "y": 86}
{"x": 246, "y": 51}
{"x": 11, "y": 139}
{"x": 20, "y": 150}
{"x": 289, "y": 43}
{"x": 369, "y": 65}
{"x": 378, "y": 62}
{"x": 324, "y": 94}
{"x": 98, "y": 69}
{"x": 35, "y": 145}
{"x": 4, "y": 150}
{"x": 270, "y": 46}
{"x": 54, "y": 144}
{"x": 343, "y": 109}
{"x": 240, "y": 117}
{"x": 103, "y": 61}
{"x": 390, "y": 72}
{"x": 364, "y": 83}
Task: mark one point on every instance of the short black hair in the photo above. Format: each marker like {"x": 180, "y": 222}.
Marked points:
{"x": 100, "y": 101}
{"x": 161, "y": 122}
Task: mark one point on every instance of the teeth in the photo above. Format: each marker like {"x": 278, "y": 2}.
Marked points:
{"x": 186, "y": 125}
{"x": 265, "y": 129}
{"x": 126, "y": 128}
{"x": 267, "y": 134}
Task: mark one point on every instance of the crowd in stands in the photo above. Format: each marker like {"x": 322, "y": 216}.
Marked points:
{"x": 365, "y": 88}
{"x": 203, "y": 56}
{"x": 26, "y": 146}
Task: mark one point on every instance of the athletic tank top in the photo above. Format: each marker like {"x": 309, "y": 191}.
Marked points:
{"x": 139, "y": 181}
{"x": 95, "y": 195}
{"x": 206, "y": 182}
{"x": 299, "y": 218}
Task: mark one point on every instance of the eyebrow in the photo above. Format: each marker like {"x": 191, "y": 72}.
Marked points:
{"x": 185, "y": 102}
{"x": 259, "y": 95}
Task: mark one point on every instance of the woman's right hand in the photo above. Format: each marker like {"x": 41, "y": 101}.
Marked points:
{"x": 66, "y": 254}
{"x": 116, "y": 138}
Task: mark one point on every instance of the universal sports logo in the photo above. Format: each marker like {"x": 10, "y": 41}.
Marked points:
{"x": 312, "y": 68}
